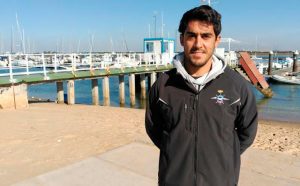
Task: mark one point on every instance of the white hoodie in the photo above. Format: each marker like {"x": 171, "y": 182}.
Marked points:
{"x": 218, "y": 67}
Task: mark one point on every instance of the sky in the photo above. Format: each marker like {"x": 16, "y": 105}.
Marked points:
{"x": 121, "y": 25}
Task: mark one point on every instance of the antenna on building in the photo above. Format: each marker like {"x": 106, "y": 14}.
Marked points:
{"x": 208, "y": 2}
{"x": 162, "y": 24}
{"x": 205, "y": 2}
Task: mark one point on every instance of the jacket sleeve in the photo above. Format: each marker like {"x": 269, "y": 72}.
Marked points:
{"x": 246, "y": 124}
{"x": 152, "y": 119}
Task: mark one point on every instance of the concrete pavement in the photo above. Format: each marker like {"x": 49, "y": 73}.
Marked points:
{"x": 136, "y": 164}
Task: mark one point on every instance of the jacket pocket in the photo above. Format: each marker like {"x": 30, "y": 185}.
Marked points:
{"x": 189, "y": 115}
{"x": 165, "y": 111}
{"x": 234, "y": 106}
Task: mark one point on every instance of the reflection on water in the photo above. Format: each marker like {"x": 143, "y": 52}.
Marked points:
{"x": 284, "y": 106}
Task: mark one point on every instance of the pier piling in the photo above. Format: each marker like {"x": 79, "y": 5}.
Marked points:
{"x": 137, "y": 83}
{"x": 121, "y": 90}
{"x": 132, "y": 89}
{"x": 71, "y": 92}
{"x": 295, "y": 60}
{"x": 153, "y": 78}
{"x": 148, "y": 77}
{"x": 270, "y": 63}
{"x": 106, "y": 96}
{"x": 143, "y": 86}
{"x": 60, "y": 92}
{"x": 95, "y": 92}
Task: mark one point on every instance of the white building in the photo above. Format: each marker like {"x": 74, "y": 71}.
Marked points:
{"x": 159, "y": 50}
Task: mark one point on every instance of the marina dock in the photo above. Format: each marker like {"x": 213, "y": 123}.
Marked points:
{"x": 137, "y": 67}
{"x": 26, "y": 70}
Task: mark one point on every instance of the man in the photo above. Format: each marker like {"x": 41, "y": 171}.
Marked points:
{"x": 201, "y": 115}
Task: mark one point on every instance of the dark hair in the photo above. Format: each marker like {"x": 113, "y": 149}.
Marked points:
{"x": 202, "y": 13}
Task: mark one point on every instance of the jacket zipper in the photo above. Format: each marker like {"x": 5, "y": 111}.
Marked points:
{"x": 196, "y": 134}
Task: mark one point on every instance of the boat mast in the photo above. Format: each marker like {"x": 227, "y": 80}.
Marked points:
{"x": 91, "y": 43}
{"x": 12, "y": 40}
{"x": 124, "y": 41}
{"x": 78, "y": 46}
{"x": 23, "y": 42}
{"x": 0, "y": 44}
{"x": 21, "y": 34}
{"x": 149, "y": 30}
{"x": 112, "y": 45}
{"x": 28, "y": 45}
{"x": 154, "y": 16}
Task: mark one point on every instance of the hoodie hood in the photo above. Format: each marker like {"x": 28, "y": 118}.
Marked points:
{"x": 218, "y": 67}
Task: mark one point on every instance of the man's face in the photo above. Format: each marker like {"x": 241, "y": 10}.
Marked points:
{"x": 199, "y": 42}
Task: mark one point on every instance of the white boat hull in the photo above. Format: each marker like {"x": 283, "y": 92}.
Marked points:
{"x": 286, "y": 79}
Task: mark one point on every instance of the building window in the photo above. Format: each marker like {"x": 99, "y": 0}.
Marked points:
{"x": 166, "y": 47}
{"x": 149, "y": 47}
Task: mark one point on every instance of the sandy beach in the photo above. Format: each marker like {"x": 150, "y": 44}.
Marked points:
{"x": 47, "y": 136}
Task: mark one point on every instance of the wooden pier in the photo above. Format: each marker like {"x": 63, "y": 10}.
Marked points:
{"x": 141, "y": 72}
{"x": 13, "y": 86}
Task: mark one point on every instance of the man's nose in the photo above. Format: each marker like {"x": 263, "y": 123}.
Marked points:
{"x": 198, "y": 42}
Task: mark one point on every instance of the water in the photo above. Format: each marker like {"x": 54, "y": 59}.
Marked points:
{"x": 83, "y": 94}
{"x": 284, "y": 106}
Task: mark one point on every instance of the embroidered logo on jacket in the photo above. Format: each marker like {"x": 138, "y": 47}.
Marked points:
{"x": 220, "y": 97}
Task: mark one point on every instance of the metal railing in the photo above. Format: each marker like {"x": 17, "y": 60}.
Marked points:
{"x": 29, "y": 64}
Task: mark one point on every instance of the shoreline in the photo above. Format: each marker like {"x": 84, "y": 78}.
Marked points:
{"x": 279, "y": 123}
{"x": 37, "y": 100}
{"x": 281, "y": 120}
{"x": 47, "y": 136}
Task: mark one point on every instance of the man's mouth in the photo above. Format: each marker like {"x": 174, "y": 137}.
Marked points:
{"x": 197, "y": 52}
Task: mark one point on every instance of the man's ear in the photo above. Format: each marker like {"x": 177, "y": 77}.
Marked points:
{"x": 218, "y": 40}
{"x": 181, "y": 40}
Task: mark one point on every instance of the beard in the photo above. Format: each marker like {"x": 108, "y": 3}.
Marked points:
{"x": 197, "y": 58}
{"x": 196, "y": 63}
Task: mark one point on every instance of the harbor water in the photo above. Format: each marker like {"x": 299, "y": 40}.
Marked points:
{"x": 283, "y": 106}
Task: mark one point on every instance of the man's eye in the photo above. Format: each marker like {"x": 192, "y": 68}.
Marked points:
{"x": 205, "y": 36}
{"x": 189, "y": 37}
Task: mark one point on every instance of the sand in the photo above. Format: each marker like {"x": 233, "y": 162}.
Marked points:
{"x": 47, "y": 136}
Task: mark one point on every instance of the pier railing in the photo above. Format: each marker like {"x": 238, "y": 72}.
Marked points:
{"x": 20, "y": 67}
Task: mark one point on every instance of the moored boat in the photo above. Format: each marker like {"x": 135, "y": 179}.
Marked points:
{"x": 295, "y": 80}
